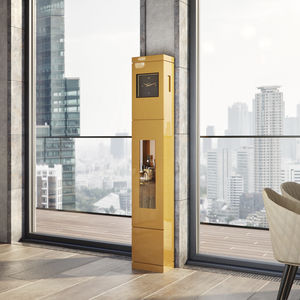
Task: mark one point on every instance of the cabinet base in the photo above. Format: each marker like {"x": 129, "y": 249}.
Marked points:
{"x": 150, "y": 268}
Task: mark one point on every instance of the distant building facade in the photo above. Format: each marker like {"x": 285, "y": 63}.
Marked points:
{"x": 49, "y": 186}
{"x": 235, "y": 190}
{"x": 269, "y": 115}
{"x": 117, "y": 146}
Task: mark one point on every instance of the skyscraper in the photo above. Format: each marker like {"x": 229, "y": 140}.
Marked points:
{"x": 207, "y": 143}
{"x": 239, "y": 119}
{"x": 269, "y": 114}
{"x": 57, "y": 98}
{"x": 219, "y": 164}
{"x": 234, "y": 192}
{"x": 212, "y": 182}
{"x": 239, "y": 123}
{"x": 117, "y": 146}
{"x": 49, "y": 186}
{"x": 245, "y": 167}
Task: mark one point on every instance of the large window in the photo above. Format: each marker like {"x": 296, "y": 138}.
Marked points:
{"x": 249, "y": 119}
{"x": 81, "y": 173}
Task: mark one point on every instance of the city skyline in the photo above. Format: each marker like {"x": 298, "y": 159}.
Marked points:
{"x": 240, "y": 114}
{"x": 236, "y": 170}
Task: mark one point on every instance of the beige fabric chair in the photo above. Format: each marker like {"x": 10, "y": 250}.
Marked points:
{"x": 283, "y": 214}
{"x": 291, "y": 190}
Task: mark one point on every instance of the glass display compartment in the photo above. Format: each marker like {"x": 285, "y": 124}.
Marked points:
{"x": 147, "y": 174}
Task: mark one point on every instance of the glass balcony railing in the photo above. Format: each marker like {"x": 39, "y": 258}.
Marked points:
{"x": 234, "y": 172}
{"x": 90, "y": 176}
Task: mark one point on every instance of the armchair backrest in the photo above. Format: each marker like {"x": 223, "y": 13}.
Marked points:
{"x": 291, "y": 190}
{"x": 283, "y": 216}
{"x": 287, "y": 201}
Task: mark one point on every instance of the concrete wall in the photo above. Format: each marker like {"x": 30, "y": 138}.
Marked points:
{"x": 164, "y": 29}
{"x": 11, "y": 120}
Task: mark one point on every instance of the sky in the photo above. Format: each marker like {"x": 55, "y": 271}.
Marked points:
{"x": 245, "y": 44}
{"x": 101, "y": 36}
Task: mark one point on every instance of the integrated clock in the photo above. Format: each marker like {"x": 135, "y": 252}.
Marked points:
{"x": 147, "y": 85}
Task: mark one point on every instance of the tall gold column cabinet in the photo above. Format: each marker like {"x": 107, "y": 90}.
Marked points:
{"x": 153, "y": 163}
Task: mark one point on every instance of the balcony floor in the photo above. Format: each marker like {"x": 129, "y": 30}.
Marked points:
{"x": 104, "y": 228}
{"x": 236, "y": 242}
{"x": 217, "y": 240}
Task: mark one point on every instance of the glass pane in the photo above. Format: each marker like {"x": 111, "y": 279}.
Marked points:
{"x": 233, "y": 173}
{"x": 88, "y": 176}
{"x": 86, "y": 62}
{"x": 98, "y": 50}
{"x": 147, "y": 174}
{"x": 83, "y": 88}
{"x": 249, "y": 63}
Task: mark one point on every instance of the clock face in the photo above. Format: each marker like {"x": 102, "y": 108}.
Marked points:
{"x": 147, "y": 85}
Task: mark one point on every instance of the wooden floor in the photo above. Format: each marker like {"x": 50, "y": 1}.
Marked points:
{"x": 29, "y": 272}
{"x": 216, "y": 240}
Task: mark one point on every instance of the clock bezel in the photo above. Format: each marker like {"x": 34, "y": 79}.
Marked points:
{"x": 138, "y": 85}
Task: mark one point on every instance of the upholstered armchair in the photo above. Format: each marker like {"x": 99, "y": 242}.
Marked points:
{"x": 291, "y": 190}
{"x": 283, "y": 214}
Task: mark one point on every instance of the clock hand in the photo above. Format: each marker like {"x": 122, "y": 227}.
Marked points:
{"x": 150, "y": 84}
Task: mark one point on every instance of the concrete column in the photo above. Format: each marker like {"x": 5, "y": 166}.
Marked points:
{"x": 164, "y": 30}
{"x": 11, "y": 120}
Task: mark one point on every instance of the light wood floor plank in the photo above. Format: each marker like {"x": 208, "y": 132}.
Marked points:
{"x": 270, "y": 290}
{"x": 54, "y": 267}
{"x": 145, "y": 285}
{"x": 5, "y": 248}
{"x": 93, "y": 287}
{"x": 41, "y": 288}
{"x": 234, "y": 288}
{"x": 9, "y": 268}
{"x": 99, "y": 267}
{"x": 8, "y": 283}
{"x": 21, "y": 253}
{"x": 191, "y": 286}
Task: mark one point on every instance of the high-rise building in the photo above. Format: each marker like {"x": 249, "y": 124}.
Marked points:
{"x": 290, "y": 172}
{"x": 57, "y": 98}
{"x": 239, "y": 119}
{"x": 224, "y": 171}
{"x": 219, "y": 164}
{"x": 239, "y": 123}
{"x": 207, "y": 143}
{"x": 269, "y": 114}
{"x": 245, "y": 167}
{"x": 235, "y": 190}
{"x": 49, "y": 186}
{"x": 288, "y": 148}
{"x": 212, "y": 178}
{"x": 117, "y": 146}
